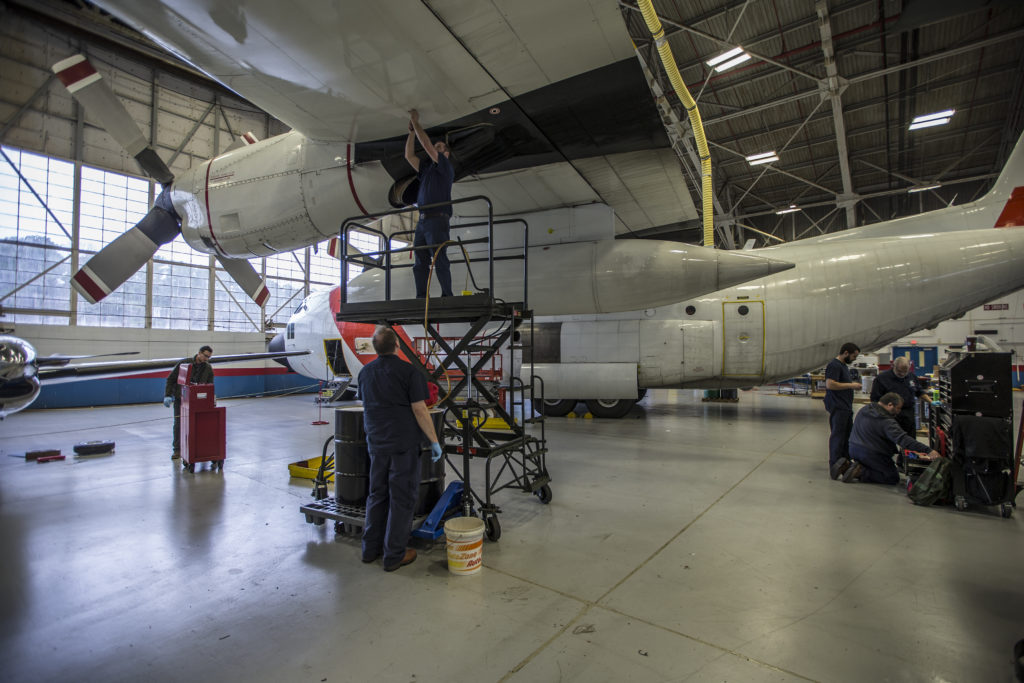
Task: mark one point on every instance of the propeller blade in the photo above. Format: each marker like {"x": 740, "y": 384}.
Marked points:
{"x": 113, "y": 264}
{"x": 88, "y": 87}
{"x": 242, "y": 272}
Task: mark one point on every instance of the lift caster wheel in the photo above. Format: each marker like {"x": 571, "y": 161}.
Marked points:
{"x": 492, "y": 528}
{"x": 960, "y": 503}
{"x": 544, "y": 494}
{"x": 1006, "y": 510}
{"x": 191, "y": 468}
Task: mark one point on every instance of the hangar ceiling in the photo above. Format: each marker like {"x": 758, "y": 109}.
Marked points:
{"x": 831, "y": 87}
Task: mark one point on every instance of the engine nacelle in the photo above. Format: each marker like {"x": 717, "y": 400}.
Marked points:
{"x": 276, "y": 195}
{"x": 17, "y": 395}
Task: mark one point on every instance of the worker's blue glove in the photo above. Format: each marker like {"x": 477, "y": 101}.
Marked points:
{"x": 168, "y": 401}
{"x": 436, "y": 449}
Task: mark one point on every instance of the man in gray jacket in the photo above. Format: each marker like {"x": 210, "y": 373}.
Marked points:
{"x": 875, "y": 434}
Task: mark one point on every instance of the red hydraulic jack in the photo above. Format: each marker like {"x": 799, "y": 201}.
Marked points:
{"x": 203, "y": 424}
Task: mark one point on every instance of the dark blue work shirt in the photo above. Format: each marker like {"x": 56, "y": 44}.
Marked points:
{"x": 436, "y": 184}
{"x": 908, "y": 387}
{"x": 389, "y": 386}
{"x": 837, "y": 371}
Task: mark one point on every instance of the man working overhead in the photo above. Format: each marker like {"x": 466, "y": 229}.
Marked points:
{"x": 839, "y": 386}
{"x": 436, "y": 176}
{"x": 898, "y": 379}
{"x": 200, "y": 373}
{"x": 395, "y": 417}
{"x": 875, "y": 434}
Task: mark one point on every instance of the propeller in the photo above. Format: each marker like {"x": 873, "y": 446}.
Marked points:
{"x": 110, "y": 267}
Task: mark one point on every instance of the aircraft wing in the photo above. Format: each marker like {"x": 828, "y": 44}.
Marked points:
{"x": 77, "y": 373}
{"x": 543, "y": 103}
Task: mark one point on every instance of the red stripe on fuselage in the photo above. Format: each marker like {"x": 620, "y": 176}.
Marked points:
{"x": 75, "y": 73}
{"x": 209, "y": 218}
{"x": 87, "y": 283}
{"x": 352, "y": 331}
{"x": 351, "y": 184}
{"x": 1013, "y": 213}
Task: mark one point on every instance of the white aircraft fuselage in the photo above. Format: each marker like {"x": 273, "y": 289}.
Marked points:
{"x": 871, "y": 285}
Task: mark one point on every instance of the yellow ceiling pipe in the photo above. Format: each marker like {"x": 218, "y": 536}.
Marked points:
{"x": 658, "y": 33}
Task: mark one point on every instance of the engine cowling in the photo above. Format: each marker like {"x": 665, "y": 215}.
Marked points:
{"x": 17, "y": 395}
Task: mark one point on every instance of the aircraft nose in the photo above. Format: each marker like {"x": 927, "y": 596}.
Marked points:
{"x": 277, "y": 344}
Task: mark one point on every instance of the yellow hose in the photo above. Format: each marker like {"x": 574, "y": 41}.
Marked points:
{"x": 658, "y": 33}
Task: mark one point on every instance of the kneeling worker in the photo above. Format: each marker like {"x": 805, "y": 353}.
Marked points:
{"x": 875, "y": 433}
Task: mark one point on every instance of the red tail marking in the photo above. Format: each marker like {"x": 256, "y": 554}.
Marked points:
{"x": 75, "y": 73}
{"x": 1013, "y": 213}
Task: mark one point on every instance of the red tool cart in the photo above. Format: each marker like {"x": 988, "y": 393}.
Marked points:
{"x": 203, "y": 425}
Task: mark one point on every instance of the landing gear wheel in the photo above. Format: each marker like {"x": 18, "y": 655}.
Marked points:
{"x": 556, "y": 407}
{"x": 492, "y": 528}
{"x": 960, "y": 502}
{"x": 608, "y": 407}
{"x": 544, "y": 494}
{"x": 1006, "y": 510}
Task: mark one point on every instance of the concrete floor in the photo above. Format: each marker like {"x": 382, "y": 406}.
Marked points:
{"x": 689, "y": 541}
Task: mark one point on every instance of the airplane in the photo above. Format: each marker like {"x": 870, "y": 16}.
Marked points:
{"x": 870, "y": 285}
{"x": 23, "y": 371}
{"x": 523, "y": 128}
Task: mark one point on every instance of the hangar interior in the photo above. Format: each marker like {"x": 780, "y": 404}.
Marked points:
{"x": 690, "y": 540}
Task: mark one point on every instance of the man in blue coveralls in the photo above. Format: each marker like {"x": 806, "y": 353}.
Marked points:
{"x": 839, "y": 386}
{"x": 394, "y": 415}
{"x": 436, "y": 176}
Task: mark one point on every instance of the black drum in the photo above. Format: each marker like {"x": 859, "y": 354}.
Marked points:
{"x": 352, "y": 462}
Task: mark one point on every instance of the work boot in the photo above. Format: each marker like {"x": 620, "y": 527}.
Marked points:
{"x": 839, "y": 468}
{"x": 409, "y": 558}
{"x": 853, "y": 472}
{"x": 175, "y": 455}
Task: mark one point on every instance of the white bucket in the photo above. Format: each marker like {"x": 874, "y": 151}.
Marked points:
{"x": 465, "y": 542}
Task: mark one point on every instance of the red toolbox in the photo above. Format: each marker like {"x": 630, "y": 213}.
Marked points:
{"x": 203, "y": 425}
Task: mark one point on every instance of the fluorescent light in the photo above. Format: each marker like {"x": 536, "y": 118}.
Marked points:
{"x": 732, "y": 62}
{"x": 922, "y": 188}
{"x": 792, "y": 208}
{"x": 928, "y": 124}
{"x": 937, "y": 115}
{"x": 762, "y": 155}
{"x": 765, "y": 160}
{"x": 715, "y": 61}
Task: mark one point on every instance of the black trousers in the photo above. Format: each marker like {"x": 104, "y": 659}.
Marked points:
{"x": 394, "y": 485}
{"x": 841, "y": 422}
{"x": 176, "y": 441}
{"x": 878, "y": 467}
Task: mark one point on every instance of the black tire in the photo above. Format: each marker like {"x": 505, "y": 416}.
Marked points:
{"x": 1006, "y": 510}
{"x": 94, "y": 447}
{"x": 960, "y": 503}
{"x": 492, "y": 528}
{"x": 556, "y": 407}
{"x": 191, "y": 468}
{"x": 609, "y": 408}
{"x": 544, "y": 494}
{"x": 641, "y": 394}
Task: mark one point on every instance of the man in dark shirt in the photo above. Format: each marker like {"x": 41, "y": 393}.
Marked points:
{"x": 200, "y": 373}
{"x": 839, "y": 388}
{"x": 436, "y": 176}
{"x": 875, "y": 433}
{"x": 898, "y": 379}
{"x": 395, "y": 417}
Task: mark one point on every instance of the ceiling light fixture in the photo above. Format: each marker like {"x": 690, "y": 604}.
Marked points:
{"x": 792, "y": 208}
{"x": 939, "y": 118}
{"x": 728, "y": 59}
{"x": 922, "y": 188}
{"x": 763, "y": 158}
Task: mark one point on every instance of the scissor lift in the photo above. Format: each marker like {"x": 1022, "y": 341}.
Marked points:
{"x": 480, "y": 413}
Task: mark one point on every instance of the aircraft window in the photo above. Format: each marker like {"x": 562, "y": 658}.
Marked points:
{"x": 299, "y": 307}
{"x": 690, "y": 310}
{"x": 291, "y": 331}
{"x": 743, "y": 310}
